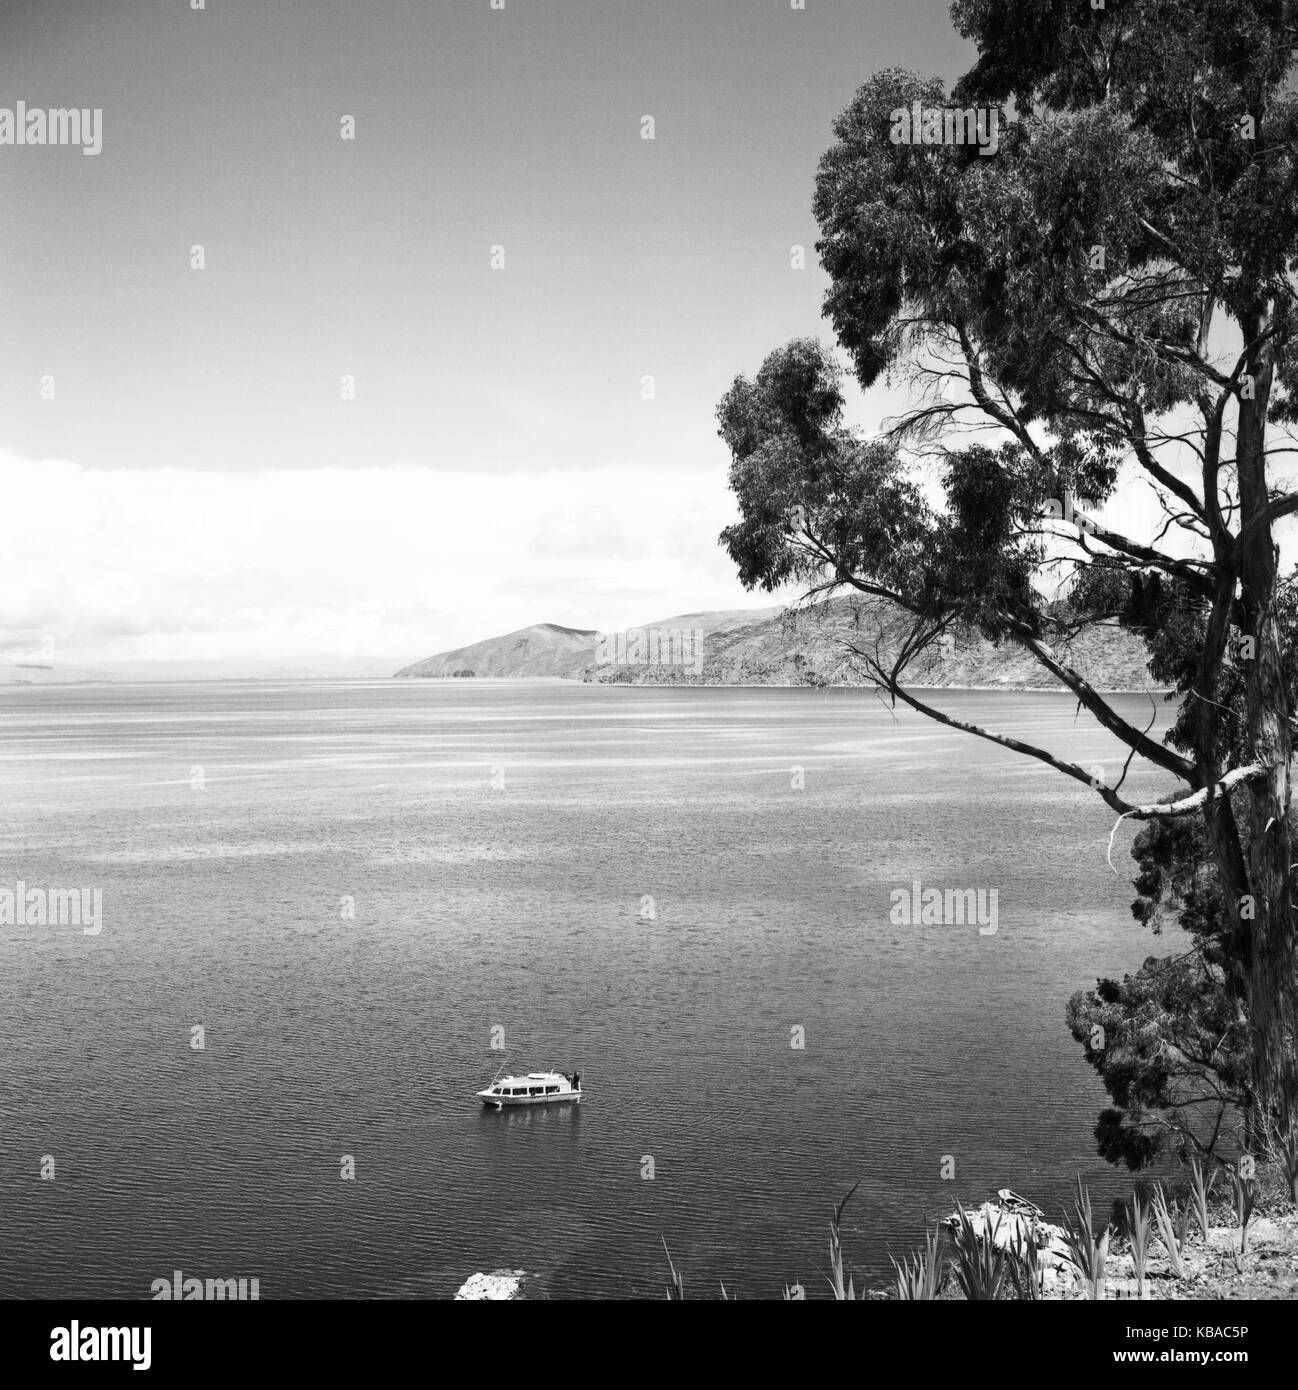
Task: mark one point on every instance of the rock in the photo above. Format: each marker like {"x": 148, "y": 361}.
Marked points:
{"x": 501, "y": 1284}
{"x": 1010, "y": 1219}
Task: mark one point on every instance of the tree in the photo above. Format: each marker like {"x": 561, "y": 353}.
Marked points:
{"x": 1111, "y": 296}
{"x": 1170, "y": 1042}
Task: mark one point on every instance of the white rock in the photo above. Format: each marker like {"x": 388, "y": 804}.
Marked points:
{"x": 1010, "y": 1225}
{"x": 500, "y": 1284}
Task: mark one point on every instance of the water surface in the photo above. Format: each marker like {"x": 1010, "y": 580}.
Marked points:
{"x": 501, "y": 842}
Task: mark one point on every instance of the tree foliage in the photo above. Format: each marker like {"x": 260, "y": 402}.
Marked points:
{"x": 1170, "y": 1042}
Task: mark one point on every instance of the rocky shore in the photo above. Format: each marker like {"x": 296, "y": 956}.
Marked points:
{"x": 1209, "y": 1268}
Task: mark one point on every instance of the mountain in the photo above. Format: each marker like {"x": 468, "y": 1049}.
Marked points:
{"x": 777, "y": 646}
{"x": 545, "y": 649}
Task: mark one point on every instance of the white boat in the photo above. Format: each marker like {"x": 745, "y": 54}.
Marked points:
{"x": 536, "y": 1088}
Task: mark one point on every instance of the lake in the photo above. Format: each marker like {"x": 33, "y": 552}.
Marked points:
{"x": 354, "y": 888}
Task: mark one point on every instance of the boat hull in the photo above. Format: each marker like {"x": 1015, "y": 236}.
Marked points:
{"x": 504, "y": 1102}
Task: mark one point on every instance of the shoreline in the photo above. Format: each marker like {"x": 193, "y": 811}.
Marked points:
{"x": 1208, "y": 1265}
{"x": 108, "y": 681}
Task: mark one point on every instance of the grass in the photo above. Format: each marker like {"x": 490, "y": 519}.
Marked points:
{"x": 1245, "y": 1200}
{"x": 919, "y": 1276}
{"x": 1200, "y": 1191}
{"x": 1026, "y": 1269}
{"x": 1138, "y": 1228}
{"x": 1165, "y": 1216}
{"x": 1286, "y": 1152}
{"x": 676, "y": 1289}
{"x": 1086, "y": 1252}
{"x": 982, "y": 1269}
{"x": 841, "y": 1294}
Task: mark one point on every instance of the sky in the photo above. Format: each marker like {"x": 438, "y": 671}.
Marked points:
{"x": 199, "y": 487}
{"x": 348, "y": 434}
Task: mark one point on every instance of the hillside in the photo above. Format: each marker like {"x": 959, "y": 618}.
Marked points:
{"x": 545, "y": 649}
{"x": 775, "y": 646}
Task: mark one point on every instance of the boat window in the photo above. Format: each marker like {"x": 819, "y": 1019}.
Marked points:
{"x": 534, "y": 1090}
{"x": 550, "y": 1090}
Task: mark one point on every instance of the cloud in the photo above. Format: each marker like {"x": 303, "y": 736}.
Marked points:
{"x": 401, "y": 561}
{"x": 588, "y": 531}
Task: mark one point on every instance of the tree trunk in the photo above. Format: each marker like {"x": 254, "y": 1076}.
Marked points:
{"x": 1271, "y": 965}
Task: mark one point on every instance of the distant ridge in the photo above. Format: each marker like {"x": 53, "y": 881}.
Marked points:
{"x": 544, "y": 649}
{"x": 778, "y": 646}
